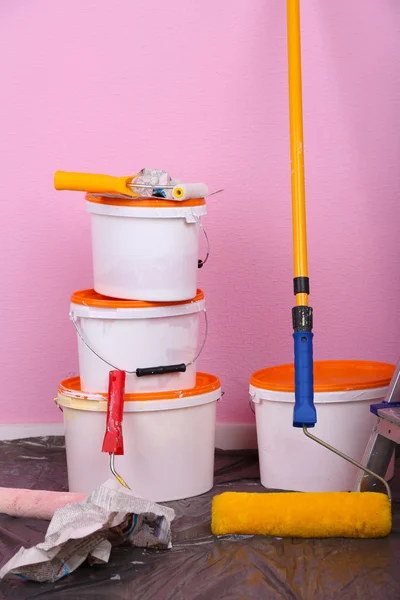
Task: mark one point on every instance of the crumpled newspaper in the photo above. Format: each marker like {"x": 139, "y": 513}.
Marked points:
{"x": 84, "y": 530}
{"x": 155, "y": 177}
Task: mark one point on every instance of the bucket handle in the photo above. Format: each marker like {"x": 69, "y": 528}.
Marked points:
{"x": 142, "y": 372}
{"x": 202, "y": 262}
{"x": 251, "y": 400}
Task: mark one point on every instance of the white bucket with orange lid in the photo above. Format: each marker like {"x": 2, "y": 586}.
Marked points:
{"x": 344, "y": 391}
{"x": 146, "y": 249}
{"x": 136, "y": 336}
{"x": 169, "y": 440}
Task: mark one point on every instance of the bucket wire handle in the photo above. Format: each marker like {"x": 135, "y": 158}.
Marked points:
{"x": 200, "y": 350}
{"x": 200, "y": 262}
{"x": 251, "y": 404}
{"x": 141, "y": 372}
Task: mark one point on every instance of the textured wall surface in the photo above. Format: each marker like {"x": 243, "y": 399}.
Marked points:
{"x": 200, "y": 89}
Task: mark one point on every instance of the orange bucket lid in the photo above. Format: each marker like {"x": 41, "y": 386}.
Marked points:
{"x": 148, "y": 203}
{"x": 329, "y": 376}
{"x": 205, "y": 383}
{"x": 92, "y": 298}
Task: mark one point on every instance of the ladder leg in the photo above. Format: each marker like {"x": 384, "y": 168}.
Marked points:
{"x": 379, "y": 450}
{"x": 377, "y": 457}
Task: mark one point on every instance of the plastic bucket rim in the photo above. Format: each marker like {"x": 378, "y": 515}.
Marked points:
{"x": 258, "y": 395}
{"x": 371, "y": 383}
{"x": 205, "y": 383}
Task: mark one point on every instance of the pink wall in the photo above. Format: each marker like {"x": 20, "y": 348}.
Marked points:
{"x": 200, "y": 89}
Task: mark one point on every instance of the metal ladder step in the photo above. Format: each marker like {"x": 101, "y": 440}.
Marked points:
{"x": 383, "y": 439}
{"x": 389, "y": 423}
{"x": 390, "y": 414}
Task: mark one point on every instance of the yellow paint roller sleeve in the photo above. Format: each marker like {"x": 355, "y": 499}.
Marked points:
{"x": 303, "y": 515}
{"x": 185, "y": 191}
{"x": 95, "y": 184}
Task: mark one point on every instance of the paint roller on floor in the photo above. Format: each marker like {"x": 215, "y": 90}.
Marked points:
{"x": 296, "y": 514}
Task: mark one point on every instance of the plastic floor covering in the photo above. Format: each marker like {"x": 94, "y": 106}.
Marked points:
{"x": 200, "y": 566}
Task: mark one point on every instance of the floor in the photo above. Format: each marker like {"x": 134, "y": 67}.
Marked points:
{"x": 199, "y": 566}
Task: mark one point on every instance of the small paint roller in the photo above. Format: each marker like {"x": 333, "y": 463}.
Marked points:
{"x": 113, "y": 442}
{"x": 187, "y": 191}
{"x": 125, "y": 186}
{"x": 42, "y": 504}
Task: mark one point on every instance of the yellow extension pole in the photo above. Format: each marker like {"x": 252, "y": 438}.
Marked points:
{"x": 297, "y": 146}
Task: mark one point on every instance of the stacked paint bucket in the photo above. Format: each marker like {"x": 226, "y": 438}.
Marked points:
{"x": 142, "y": 317}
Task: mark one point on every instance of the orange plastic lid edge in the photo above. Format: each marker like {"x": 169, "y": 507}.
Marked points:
{"x": 91, "y": 298}
{"x": 205, "y": 383}
{"x": 329, "y": 376}
{"x": 144, "y": 203}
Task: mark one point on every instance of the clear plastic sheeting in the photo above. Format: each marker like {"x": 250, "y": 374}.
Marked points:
{"x": 200, "y": 566}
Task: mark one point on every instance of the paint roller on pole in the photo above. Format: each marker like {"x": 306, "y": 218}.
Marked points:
{"x": 297, "y": 514}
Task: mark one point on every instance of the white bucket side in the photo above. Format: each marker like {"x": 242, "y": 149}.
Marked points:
{"x": 128, "y": 344}
{"x": 145, "y": 255}
{"x": 291, "y": 461}
{"x": 168, "y": 454}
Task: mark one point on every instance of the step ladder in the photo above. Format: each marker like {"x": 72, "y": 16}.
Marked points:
{"x": 384, "y": 438}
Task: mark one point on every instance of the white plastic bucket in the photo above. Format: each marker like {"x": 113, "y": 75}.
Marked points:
{"x": 344, "y": 391}
{"x": 126, "y": 335}
{"x": 169, "y": 440}
{"x": 147, "y": 249}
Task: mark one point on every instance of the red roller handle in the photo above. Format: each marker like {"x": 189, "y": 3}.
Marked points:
{"x": 113, "y": 442}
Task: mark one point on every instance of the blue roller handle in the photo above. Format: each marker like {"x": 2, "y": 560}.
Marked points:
{"x": 304, "y": 409}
